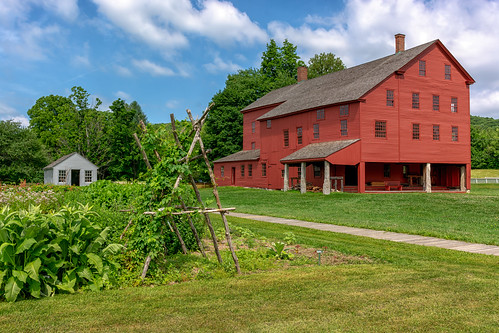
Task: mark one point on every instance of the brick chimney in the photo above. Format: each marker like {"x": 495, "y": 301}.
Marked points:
{"x": 302, "y": 73}
{"x": 399, "y": 43}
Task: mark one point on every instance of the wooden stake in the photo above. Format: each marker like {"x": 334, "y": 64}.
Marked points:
{"x": 193, "y": 228}
{"x": 146, "y": 267}
{"x": 144, "y": 156}
{"x": 215, "y": 191}
{"x": 198, "y": 196}
{"x": 179, "y": 236}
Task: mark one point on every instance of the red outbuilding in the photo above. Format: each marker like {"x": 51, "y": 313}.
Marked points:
{"x": 401, "y": 122}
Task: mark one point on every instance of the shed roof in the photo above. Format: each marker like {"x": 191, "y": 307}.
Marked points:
{"x": 320, "y": 150}
{"x": 339, "y": 87}
{"x": 62, "y": 159}
{"x": 243, "y": 155}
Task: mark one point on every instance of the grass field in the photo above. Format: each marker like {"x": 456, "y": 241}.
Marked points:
{"x": 407, "y": 288}
{"x": 472, "y": 217}
{"x": 481, "y": 173}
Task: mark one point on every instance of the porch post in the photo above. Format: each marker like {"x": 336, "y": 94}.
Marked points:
{"x": 427, "y": 177}
{"x": 326, "y": 187}
{"x": 286, "y": 177}
{"x": 462, "y": 183}
{"x": 303, "y": 178}
{"x": 361, "y": 177}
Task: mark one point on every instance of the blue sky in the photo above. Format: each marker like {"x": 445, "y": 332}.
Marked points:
{"x": 169, "y": 55}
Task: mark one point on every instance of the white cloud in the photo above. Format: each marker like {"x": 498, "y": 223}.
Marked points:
{"x": 165, "y": 23}
{"x": 9, "y": 113}
{"x": 6, "y": 110}
{"x": 172, "y": 104}
{"x": 123, "y": 95}
{"x": 122, "y": 71}
{"x": 218, "y": 65}
{"x": 152, "y": 68}
{"x": 67, "y": 9}
{"x": 83, "y": 59}
{"x": 364, "y": 31}
{"x": 20, "y": 119}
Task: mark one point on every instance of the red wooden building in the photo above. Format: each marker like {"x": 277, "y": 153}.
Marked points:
{"x": 401, "y": 122}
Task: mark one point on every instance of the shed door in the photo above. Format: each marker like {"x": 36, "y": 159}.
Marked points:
{"x": 75, "y": 177}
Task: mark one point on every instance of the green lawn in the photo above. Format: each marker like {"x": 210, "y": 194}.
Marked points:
{"x": 472, "y": 217}
{"x": 481, "y": 173}
{"x": 407, "y": 288}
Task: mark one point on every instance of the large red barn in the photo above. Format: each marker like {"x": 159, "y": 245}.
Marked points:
{"x": 401, "y": 122}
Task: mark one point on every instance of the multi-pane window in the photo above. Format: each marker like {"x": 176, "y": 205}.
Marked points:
{"x": 316, "y": 131}
{"x": 222, "y": 171}
{"x": 390, "y": 98}
{"x": 344, "y": 110}
{"x": 436, "y": 102}
{"x": 282, "y": 173}
{"x": 317, "y": 171}
{"x": 264, "y": 169}
{"x": 250, "y": 170}
{"x": 320, "y": 114}
{"x": 380, "y": 129}
{"x": 269, "y": 123}
{"x": 455, "y": 133}
{"x": 242, "y": 170}
{"x": 286, "y": 138}
{"x": 415, "y": 100}
{"x": 299, "y": 135}
{"x": 88, "y": 176}
{"x": 386, "y": 170}
{"x": 253, "y": 127}
{"x": 436, "y": 132}
{"x": 422, "y": 68}
{"x": 344, "y": 127}
{"x": 453, "y": 104}
{"x": 62, "y": 176}
{"x": 447, "y": 72}
{"x": 253, "y": 145}
{"x": 415, "y": 131}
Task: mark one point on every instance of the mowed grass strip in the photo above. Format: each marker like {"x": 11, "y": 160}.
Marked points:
{"x": 482, "y": 173}
{"x": 472, "y": 217}
{"x": 408, "y": 288}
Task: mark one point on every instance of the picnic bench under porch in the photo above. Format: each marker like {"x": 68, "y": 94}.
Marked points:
{"x": 332, "y": 166}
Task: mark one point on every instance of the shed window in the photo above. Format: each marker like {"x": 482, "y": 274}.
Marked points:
{"x": 455, "y": 135}
{"x": 222, "y": 171}
{"x": 320, "y": 114}
{"x": 390, "y": 98}
{"x": 316, "y": 131}
{"x": 415, "y": 131}
{"x": 62, "y": 176}
{"x": 317, "y": 171}
{"x": 88, "y": 176}
{"x": 264, "y": 169}
{"x": 380, "y": 129}
{"x": 253, "y": 127}
{"x": 422, "y": 68}
{"x": 447, "y": 72}
{"x": 250, "y": 170}
{"x": 453, "y": 104}
{"x": 415, "y": 100}
{"x": 286, "y": 138}
{"x": 436, "y": 132}
{"x": 242, "y": 170}
{"x": 344, "y": 127}
{"x": 299, "y": 135}
{"x": 344, "y": 110}
{"x": 269, "y": 123}
{"x": 253, "y": 145}
{"x": 436, "y": 102}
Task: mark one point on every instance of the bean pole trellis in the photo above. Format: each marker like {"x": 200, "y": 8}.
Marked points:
{"x": 183, "y": 209}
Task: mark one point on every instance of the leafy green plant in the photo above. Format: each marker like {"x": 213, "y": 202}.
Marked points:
{"x": 289, "y": 238}
{"x": 277, "y": 250}
{"x": 41, "y": 254}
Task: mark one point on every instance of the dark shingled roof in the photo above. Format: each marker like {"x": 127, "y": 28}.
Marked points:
{"x": 319, "y": 150}
{"x": 60, "y": 160}
{"x": 243, "y": 155}
{"x": 339, "y": 87}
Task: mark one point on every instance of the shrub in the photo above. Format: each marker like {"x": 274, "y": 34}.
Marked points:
{"x": 42, "y": 254}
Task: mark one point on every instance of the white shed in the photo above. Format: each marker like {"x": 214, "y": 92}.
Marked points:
{"x": 72, "y": 169}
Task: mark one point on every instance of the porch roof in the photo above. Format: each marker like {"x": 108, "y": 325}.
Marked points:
{"x": 243, "y": 155}
{"x": 318, "y": 151}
